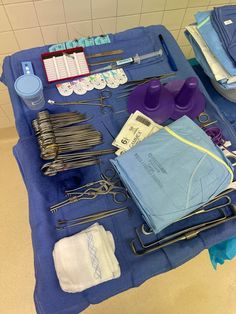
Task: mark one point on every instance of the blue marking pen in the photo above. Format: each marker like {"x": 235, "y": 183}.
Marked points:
{"x": 170, "y": 59}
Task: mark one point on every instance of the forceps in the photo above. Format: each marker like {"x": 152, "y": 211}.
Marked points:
{"x": 203, "y": 209}
{"x": 104, "y": 187}
{"x": 119, "y": 195}
{"x": 128, "y": 87}
{"x": 62, "y": 224}
{"x": 73, "y": 161}
{"x": 93, "y": 189}
{"x": 187, "y": 233}
{"x": 109, "y": 184}
{"x": 104, "y": 95}
{"x": 107, "y": 178}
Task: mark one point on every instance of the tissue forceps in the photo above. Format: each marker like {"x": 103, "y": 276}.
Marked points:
{"x": 131, "y": 85}
{"x": 62, "y": 224}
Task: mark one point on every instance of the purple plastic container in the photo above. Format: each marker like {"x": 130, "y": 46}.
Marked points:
{"x": 189, "y": 100}
{"x": 152, "y": 99}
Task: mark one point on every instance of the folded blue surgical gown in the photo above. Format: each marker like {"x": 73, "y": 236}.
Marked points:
{"x": 223, "y": 20}
{"x": 173, "y": 172}
{"x": 212, "y": 40}
{"x": 203, "y": 62}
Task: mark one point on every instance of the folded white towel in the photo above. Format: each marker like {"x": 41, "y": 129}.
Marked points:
{"x": 85, "y": 259}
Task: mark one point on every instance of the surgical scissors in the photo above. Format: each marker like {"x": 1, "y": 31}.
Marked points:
{"x": 99, "y": 101}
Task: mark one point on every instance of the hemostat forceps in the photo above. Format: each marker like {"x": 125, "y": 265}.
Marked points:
{"x": 99, "y": 101}
{"x": 74, "y": 161}
{"x": 62, "y": 133}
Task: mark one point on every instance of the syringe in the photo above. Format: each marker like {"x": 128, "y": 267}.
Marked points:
{"x": 130, "y": 60}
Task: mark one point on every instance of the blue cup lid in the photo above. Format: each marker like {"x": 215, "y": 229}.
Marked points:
{"x": 28, "y": 85}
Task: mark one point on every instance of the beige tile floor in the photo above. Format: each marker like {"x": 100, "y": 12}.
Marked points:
{"x": 192, "y": 288}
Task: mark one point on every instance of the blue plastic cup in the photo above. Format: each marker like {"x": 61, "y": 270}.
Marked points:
{"x": 30, "y": 88}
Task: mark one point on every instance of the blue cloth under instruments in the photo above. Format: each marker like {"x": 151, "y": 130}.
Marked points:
{"x": 46, "y": 191}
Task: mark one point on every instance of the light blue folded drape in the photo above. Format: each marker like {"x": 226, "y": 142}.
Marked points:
{"x": 212, "y": 39}
{"x": 203, "y": 62}
{"x": 173, "y": 172}
{"x": 223, "y": 20}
